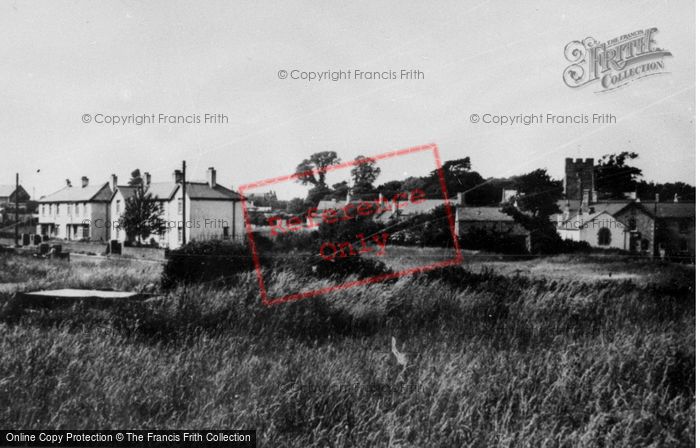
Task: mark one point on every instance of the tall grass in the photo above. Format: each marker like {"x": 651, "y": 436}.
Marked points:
{"x": 493, "y": 360}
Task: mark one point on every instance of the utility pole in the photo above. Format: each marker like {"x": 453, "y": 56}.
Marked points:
{"x": 184, "y": 191}
{"x": 16, "y": 208}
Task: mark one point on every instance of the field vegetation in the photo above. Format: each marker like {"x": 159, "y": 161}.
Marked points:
{"x": 500, "y": 353}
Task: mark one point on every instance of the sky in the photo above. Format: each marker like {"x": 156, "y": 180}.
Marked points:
{"x": 65, "y": 59}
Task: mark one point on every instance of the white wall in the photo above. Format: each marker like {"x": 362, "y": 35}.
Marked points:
{"x": 589, "y": 232}
{"x": 205, "y": 220}
{"x": 64, "y": 217}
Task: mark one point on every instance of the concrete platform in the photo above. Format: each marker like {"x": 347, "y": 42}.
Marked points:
{"x": 59, "y": 297}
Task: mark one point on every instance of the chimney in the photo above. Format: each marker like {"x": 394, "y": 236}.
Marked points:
{"x": 147, "y": 178}
{"x": 460, "y": 199}
{"x": 84, "y": 181}
{"x": 211, "y": 177}
{"x": 68, "y": 184}
{"x": 113, "y": 182}
{"x": 656, "y": 197}
{"x": 594, "y": 196}
{"x": 177, "y": 176}
{"x": 675, "y": 197}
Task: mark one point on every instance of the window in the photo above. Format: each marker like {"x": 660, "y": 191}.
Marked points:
{"x": 632, "y": 223}
{"x": 604, "y": 237}
{"x": 179, "y": 206}
{"x": 77, "y": 208}
{"x": 119, "y": 206}
{"x": 226, "y": 232}
{"x": 645, "y": 244}
{"x": 43, "y": 209}
{"x": 58, "y": 209}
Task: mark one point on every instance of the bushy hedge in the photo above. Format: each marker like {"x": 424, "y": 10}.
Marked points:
{"x": 489, "y": 240}
{"x": 205, "y": 261}
{"x": 430, "y": 229}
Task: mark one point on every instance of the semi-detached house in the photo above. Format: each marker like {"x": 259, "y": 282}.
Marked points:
{"x": 212, "y": 211}
{"x": 76, "y": 213}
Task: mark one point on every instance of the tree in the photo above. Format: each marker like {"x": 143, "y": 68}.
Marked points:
{"x": 532, "y": 207}
{"x": 136, "y": 178}
{"x": 142, "y": 216}
{"x": 319, "y": 162}
{"x": 340, "y": 190}
{"x": 391, "y": 188}
{"x": 538, "y": 193}
{"x": 614, "y": 176}
{"x": 296, "y": 206}
{"x": 459, "y": 178}
{"x": 666, "y": 191}
{"x": 364, "y": 173}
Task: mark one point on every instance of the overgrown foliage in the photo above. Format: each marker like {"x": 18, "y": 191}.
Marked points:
{"x": 493, "y": 359}
{"x": 206, "y": 261}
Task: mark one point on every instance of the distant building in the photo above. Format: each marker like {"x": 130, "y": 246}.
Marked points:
{"x": 485, "y": 218}
{"x": 212, "y": 211}
{"x": 76, "y": 213}
{"x": 597, "y": 228}
{"x": 651, "y": 228}
{"x": 9, "y": 194}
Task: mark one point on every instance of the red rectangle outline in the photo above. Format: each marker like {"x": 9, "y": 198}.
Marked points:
{"x": 306, "y": 294}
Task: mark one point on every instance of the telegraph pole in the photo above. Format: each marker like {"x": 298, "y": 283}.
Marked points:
{"x": 16, "y": 208}
{"x": 184, "y": 191}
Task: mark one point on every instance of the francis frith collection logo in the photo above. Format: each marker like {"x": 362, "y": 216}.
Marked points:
{"x": 614, "y": 63}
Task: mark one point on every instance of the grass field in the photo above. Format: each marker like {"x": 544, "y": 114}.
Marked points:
{"x": 562, "y": 351}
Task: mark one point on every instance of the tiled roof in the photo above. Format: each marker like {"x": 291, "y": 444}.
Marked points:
{"x": 611, "y": 207}
{"x": 91, "y": 193}
{"x": 196, "y": 190}
{"x": 660, "y": 209}
{"x": 466, "y": 213}
{"x": 164, "y": 191}
{"x": 671, "y": 209}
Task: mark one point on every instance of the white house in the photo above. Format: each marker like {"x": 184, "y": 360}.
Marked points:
{"x": 212, "y": 211}
{"x": 599, "y": 229}
{"x": 76, "y": 213}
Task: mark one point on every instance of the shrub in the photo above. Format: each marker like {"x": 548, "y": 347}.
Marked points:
{"x": 489, "y": 240}
{"x": 294, "y": 240}
{"x": 311, "y": 265}
{"x": 204, "y": 261}
{"x": 430, "y": 229}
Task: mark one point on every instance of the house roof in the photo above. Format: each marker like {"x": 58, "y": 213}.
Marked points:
{"x": 91, "y": 193}
{"x": 671, "y": 209}
{"x": 202, "y": 190}
{"x": 466, "y": 213}
{"x": 658, "y": 209}
{"x": 164, "y": 191}
{"x": 427, "y": 205}
{"x": 611, "y": 207}
{"x": 327, "y": 204}
{"x": 406, "y": 208}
